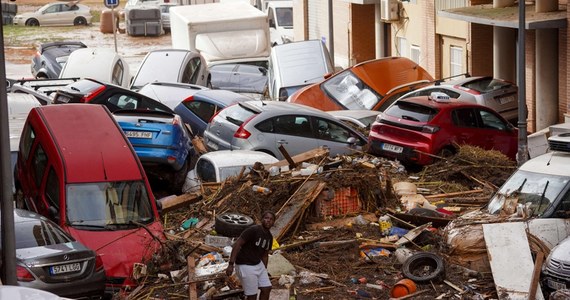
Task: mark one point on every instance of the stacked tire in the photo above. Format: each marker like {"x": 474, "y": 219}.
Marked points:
{"x": 9, "y": 10}
{"x": 143, "y": 21}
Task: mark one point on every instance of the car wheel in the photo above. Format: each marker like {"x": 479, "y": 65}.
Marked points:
{"x": 424, "y": 267}
{"x": 32, "y": 22}
{"x": 19, "y": 199}
{"x": 79, "y": 21}
{"x": 41, "y": 76}
{"x": 179, "y": 178}
{"x": 446, "y": 153}
{"x": 232, "y": 224}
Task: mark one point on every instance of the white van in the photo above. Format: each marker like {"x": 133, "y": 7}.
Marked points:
{"x": 217, "y": 166}
{"x": 103, "y": 64}
{"x": 280, "y": 16}
{"x": 295, "y": 65}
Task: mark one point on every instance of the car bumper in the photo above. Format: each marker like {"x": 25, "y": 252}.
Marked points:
{"x": 403, "y": 153}
{"x": 553, "y": 283}
{"x": 92, "y": 287}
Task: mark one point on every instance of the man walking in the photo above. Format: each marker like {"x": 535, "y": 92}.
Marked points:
{"x": 249, "y": 255}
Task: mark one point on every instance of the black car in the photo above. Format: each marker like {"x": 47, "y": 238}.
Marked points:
{"x": 112, "y": 96}
{"x": 50, "y": 58}
{"x": 49, "y": 259}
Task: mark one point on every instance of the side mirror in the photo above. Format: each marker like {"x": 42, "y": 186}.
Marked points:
{"x": 351, "y": 140}
{"x": 54, "y": 214}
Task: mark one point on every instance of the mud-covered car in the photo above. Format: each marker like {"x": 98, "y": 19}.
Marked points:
{"x": 56, "y": 14}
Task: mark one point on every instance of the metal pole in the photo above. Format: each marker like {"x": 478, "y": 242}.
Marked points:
{"x": 8, "y": 271}
{"x": 114, "y": 27}
{"x": 522, "y": 155}
{"x": 331, "y": 31}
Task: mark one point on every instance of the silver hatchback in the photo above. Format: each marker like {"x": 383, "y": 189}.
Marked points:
{"x": 265, "y": 126}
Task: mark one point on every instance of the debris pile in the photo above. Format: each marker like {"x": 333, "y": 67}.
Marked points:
{"x": 343, "y": 230}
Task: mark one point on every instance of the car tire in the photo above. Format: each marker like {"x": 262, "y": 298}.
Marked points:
{"x": 424, "y": 267}
{"x": 32, "y": 22}
{"x": 178, "y": 178}
{"x": 232, "y": 224}
{"x": 80, "y": 21}
{"x": 446, "y": 153}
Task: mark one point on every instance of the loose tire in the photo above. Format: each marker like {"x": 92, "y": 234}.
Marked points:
{"x": 424, "y": 267}
{"x": 232, "y": 224}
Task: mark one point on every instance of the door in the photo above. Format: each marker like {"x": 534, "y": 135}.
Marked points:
{"x": 334, "y": 136}
{"x": 293, "y": 132}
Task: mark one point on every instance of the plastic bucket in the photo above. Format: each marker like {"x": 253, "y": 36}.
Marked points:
{"x": 402, "y": 288}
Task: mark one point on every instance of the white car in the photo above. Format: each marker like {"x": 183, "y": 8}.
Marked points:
{"x": 56, "y": 14}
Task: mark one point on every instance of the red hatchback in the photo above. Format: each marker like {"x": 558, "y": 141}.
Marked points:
{"x": 413, "y": 129}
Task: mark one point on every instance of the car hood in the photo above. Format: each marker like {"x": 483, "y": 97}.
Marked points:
{"x": 26, "y": 15}
{"x": 561, "y": 251}
{"x": 120, "y": 249}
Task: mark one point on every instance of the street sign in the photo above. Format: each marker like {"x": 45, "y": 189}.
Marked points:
{"x": 111, "y": 3}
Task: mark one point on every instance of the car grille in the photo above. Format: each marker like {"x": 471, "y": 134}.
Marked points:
{"x": 558, "y": 268}
{"x": 410, "y": 127}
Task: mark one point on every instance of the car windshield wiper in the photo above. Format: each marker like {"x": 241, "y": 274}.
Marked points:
{"x": 80, "y": 224}
{"x": 406, "y": 117}
{"x": 542, "y": 196}
{"x": 235, "y": 121}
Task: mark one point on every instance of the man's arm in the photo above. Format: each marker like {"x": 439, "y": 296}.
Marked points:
{"x": 235, "y": 249}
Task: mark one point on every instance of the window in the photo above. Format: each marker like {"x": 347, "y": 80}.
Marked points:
{"x": 465, "y": 117}
{"x": 292, "y": 125}
{"x": 327, "y": 130}
{"x": 415, "y": 53}
{"x": 351, "y": 92}
{"x": 121, "y": 101}
{"x": 490, "y": 121}
{"x": 203, "y": 110}
{"x": 39, "y": 164}
{"x": 455, "y": 61}
{"x": 206, "y": 171}
{"x": 191, "y": 71}
{"x": 52, "y": 189}
{"x": 118, "y": 70}
{"x": 28, "y": 138}
{"x": 403, "y": 48}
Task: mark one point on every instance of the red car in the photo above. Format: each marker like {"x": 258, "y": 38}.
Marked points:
{"x": 412, "y": 129}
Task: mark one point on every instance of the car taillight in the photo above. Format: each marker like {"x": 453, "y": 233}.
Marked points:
{"x": 241, "y": 133}
{"x": 468, "y": 90}
{"x": 98, "y": 263}
{"x": 87, "y": 98}
{"x": 171, "y": 159}
{"x": 23, "y": 274}
{"x": 189, "y": 99}
{"x": 430, "y": 129}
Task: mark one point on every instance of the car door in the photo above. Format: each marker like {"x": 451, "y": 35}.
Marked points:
{"x": 194, "y": 72}
{"x": 197, "y": 114}
{"x": 466, "y": 129}
{"x": 334, "y": 136}
{"x": 500, "y": 135}
{"x": 293, "y": 132}
{"x": 52, "y": 14}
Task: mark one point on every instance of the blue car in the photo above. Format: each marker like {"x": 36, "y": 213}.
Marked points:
{"x": 162, "y": 143}
{"x": 198, "y": 109}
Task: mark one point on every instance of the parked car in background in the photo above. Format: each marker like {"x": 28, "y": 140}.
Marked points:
{"x": 280, "y": 16}
{"x": 250, "y": 80}
{"x": 371, "y": 85}
{"x": 170, "y": 93}
{"x": 77, "y": 168}
{"x": 498, "y": 94}
{"x": 197, "y": 110}
{"x": 103, "y": 64}
{"x": 217, "y": 166}
{"x": 171, "y": 65}
{"x": 56, "y": 14}
{"x": 265, "y": 126}
{"x": 165, "y": 14}
{"x": 112, "y": 96}
{"x": 51, "y": 57}
{"x": 414, "y": 129}
{"x": 357, "y": 118}
{"x": 42, "y": 89}
{"x": 49, "y": 259}
{"x": 161, "y": 142}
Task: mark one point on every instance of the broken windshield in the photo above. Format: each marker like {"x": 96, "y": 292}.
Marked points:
{"x": 537, "y": 191}
{"x": 347, "y": 89}
{"x": 100, "y": 204}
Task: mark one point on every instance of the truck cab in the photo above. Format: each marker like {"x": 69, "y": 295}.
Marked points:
{"x": 280, "y": 16}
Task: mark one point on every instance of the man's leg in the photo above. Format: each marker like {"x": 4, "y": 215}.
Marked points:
{"x": 264, "y": 283}
{"x": 248, "y": 279}
{"x": 264, "y": 294}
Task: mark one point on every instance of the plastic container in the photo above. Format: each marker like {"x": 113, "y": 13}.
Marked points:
{"x": 260, "y": 189}
{"x": 402, "y": 288}
{"x": 385, "y": 224}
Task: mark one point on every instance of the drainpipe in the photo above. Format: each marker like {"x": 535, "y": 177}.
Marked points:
{"x": 331, "y": 30}
{"x": 522, "y": 150}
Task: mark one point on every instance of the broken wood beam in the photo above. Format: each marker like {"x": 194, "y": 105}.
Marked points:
{"x": 290, "y": 161}
{"x": 535, "y": 276}
{"x": 334, "y": 243}
{"x": 299, "y": 244}
{"x": 299, "y": 158}
{"x": 453, "y": 194}
{"x": 191, "y": 264}
{"x": 172, "y": 203}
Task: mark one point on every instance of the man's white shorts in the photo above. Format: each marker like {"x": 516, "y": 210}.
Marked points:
{"x": 252, "y": 278}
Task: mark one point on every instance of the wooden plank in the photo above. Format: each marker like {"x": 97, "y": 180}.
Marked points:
{"x": 535, "y": 275}
{"x": 172, "y": 203}
{"x": 502, "y": 240}
{"x": 299, "y": 158}
{"x": 192, "y": 293}
{"x": 289, "y": 213}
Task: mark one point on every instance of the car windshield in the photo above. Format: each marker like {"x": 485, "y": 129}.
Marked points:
{"x": 39, "y": 233}
{"x": 347, "y": 89}
{"x": 284, "y": 16}
{"x": 411, "y": 111}
{"x": 537, "y": 191}
{"x": 487, "y": 84}
{"x": 108, "y": 203}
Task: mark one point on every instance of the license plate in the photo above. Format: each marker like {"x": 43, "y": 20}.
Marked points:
{"x": 555, "y": 284}
{"x": 139, "y": 134}
{"x": 65, "y": 268}
{"x": 505, "y": 100}
{"x": 392, "y": 148}
{"x": 212, "y": 145}
{"x": 62, "y": 99}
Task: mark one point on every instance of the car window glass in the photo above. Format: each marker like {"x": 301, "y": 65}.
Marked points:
{"x": 236, "y": 114}
{"x": 52, "y": 189}
{"x": 53, "y": 9}
{"x": 292, "y": 125}
{"x": 27, "y": 140}
{"x": 39, "y": 163}
{"x": 486, "y": 85}
{"x": 39, "y": 233}
{"x": 203, "y": 110}
{"x": 117, "y": 76}
{"x": 411, "y": 111}
{"x": 121, "y": 101}
{"x": 347, "y": 89}
{"x": 464, "y": 117}
{"x": 284, "y": 16}
{"x": 491, "y": 121}
{"x": 331, "y": 131}
{"x": 265, "y": 126}
{"x": 563, "y": 209}
{"x": 227, "y": 172}
{"x": 189, "y": 75}
{"x": 206, "y": 171}
{"x": 150, "y": 104}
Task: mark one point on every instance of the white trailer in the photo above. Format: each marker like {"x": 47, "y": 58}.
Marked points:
{"x": 229, "y": 32}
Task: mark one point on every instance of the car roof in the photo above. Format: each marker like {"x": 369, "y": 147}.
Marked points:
{"x": 79, "y": 130}
{"x": 228, "y": 158}
{"x": 279, "y": 106}
{"x": 22, "y": 215}
{"x": 442, "y": 104}
{"x": 354, "y": 113}
{"x": 224, "y": 97}
{"x": 555, "y": 163}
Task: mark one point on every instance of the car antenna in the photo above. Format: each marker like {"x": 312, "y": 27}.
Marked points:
{"x": 104, "y": 169}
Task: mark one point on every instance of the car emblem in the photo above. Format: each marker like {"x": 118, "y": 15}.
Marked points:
{"x": 138, "y": 124}
{"x": 65, "y": 257}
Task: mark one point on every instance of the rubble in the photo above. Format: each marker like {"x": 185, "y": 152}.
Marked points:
{"x": 328, "y": 227}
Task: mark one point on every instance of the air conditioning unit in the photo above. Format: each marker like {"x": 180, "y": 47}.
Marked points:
{"x": 389, "y": 10}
